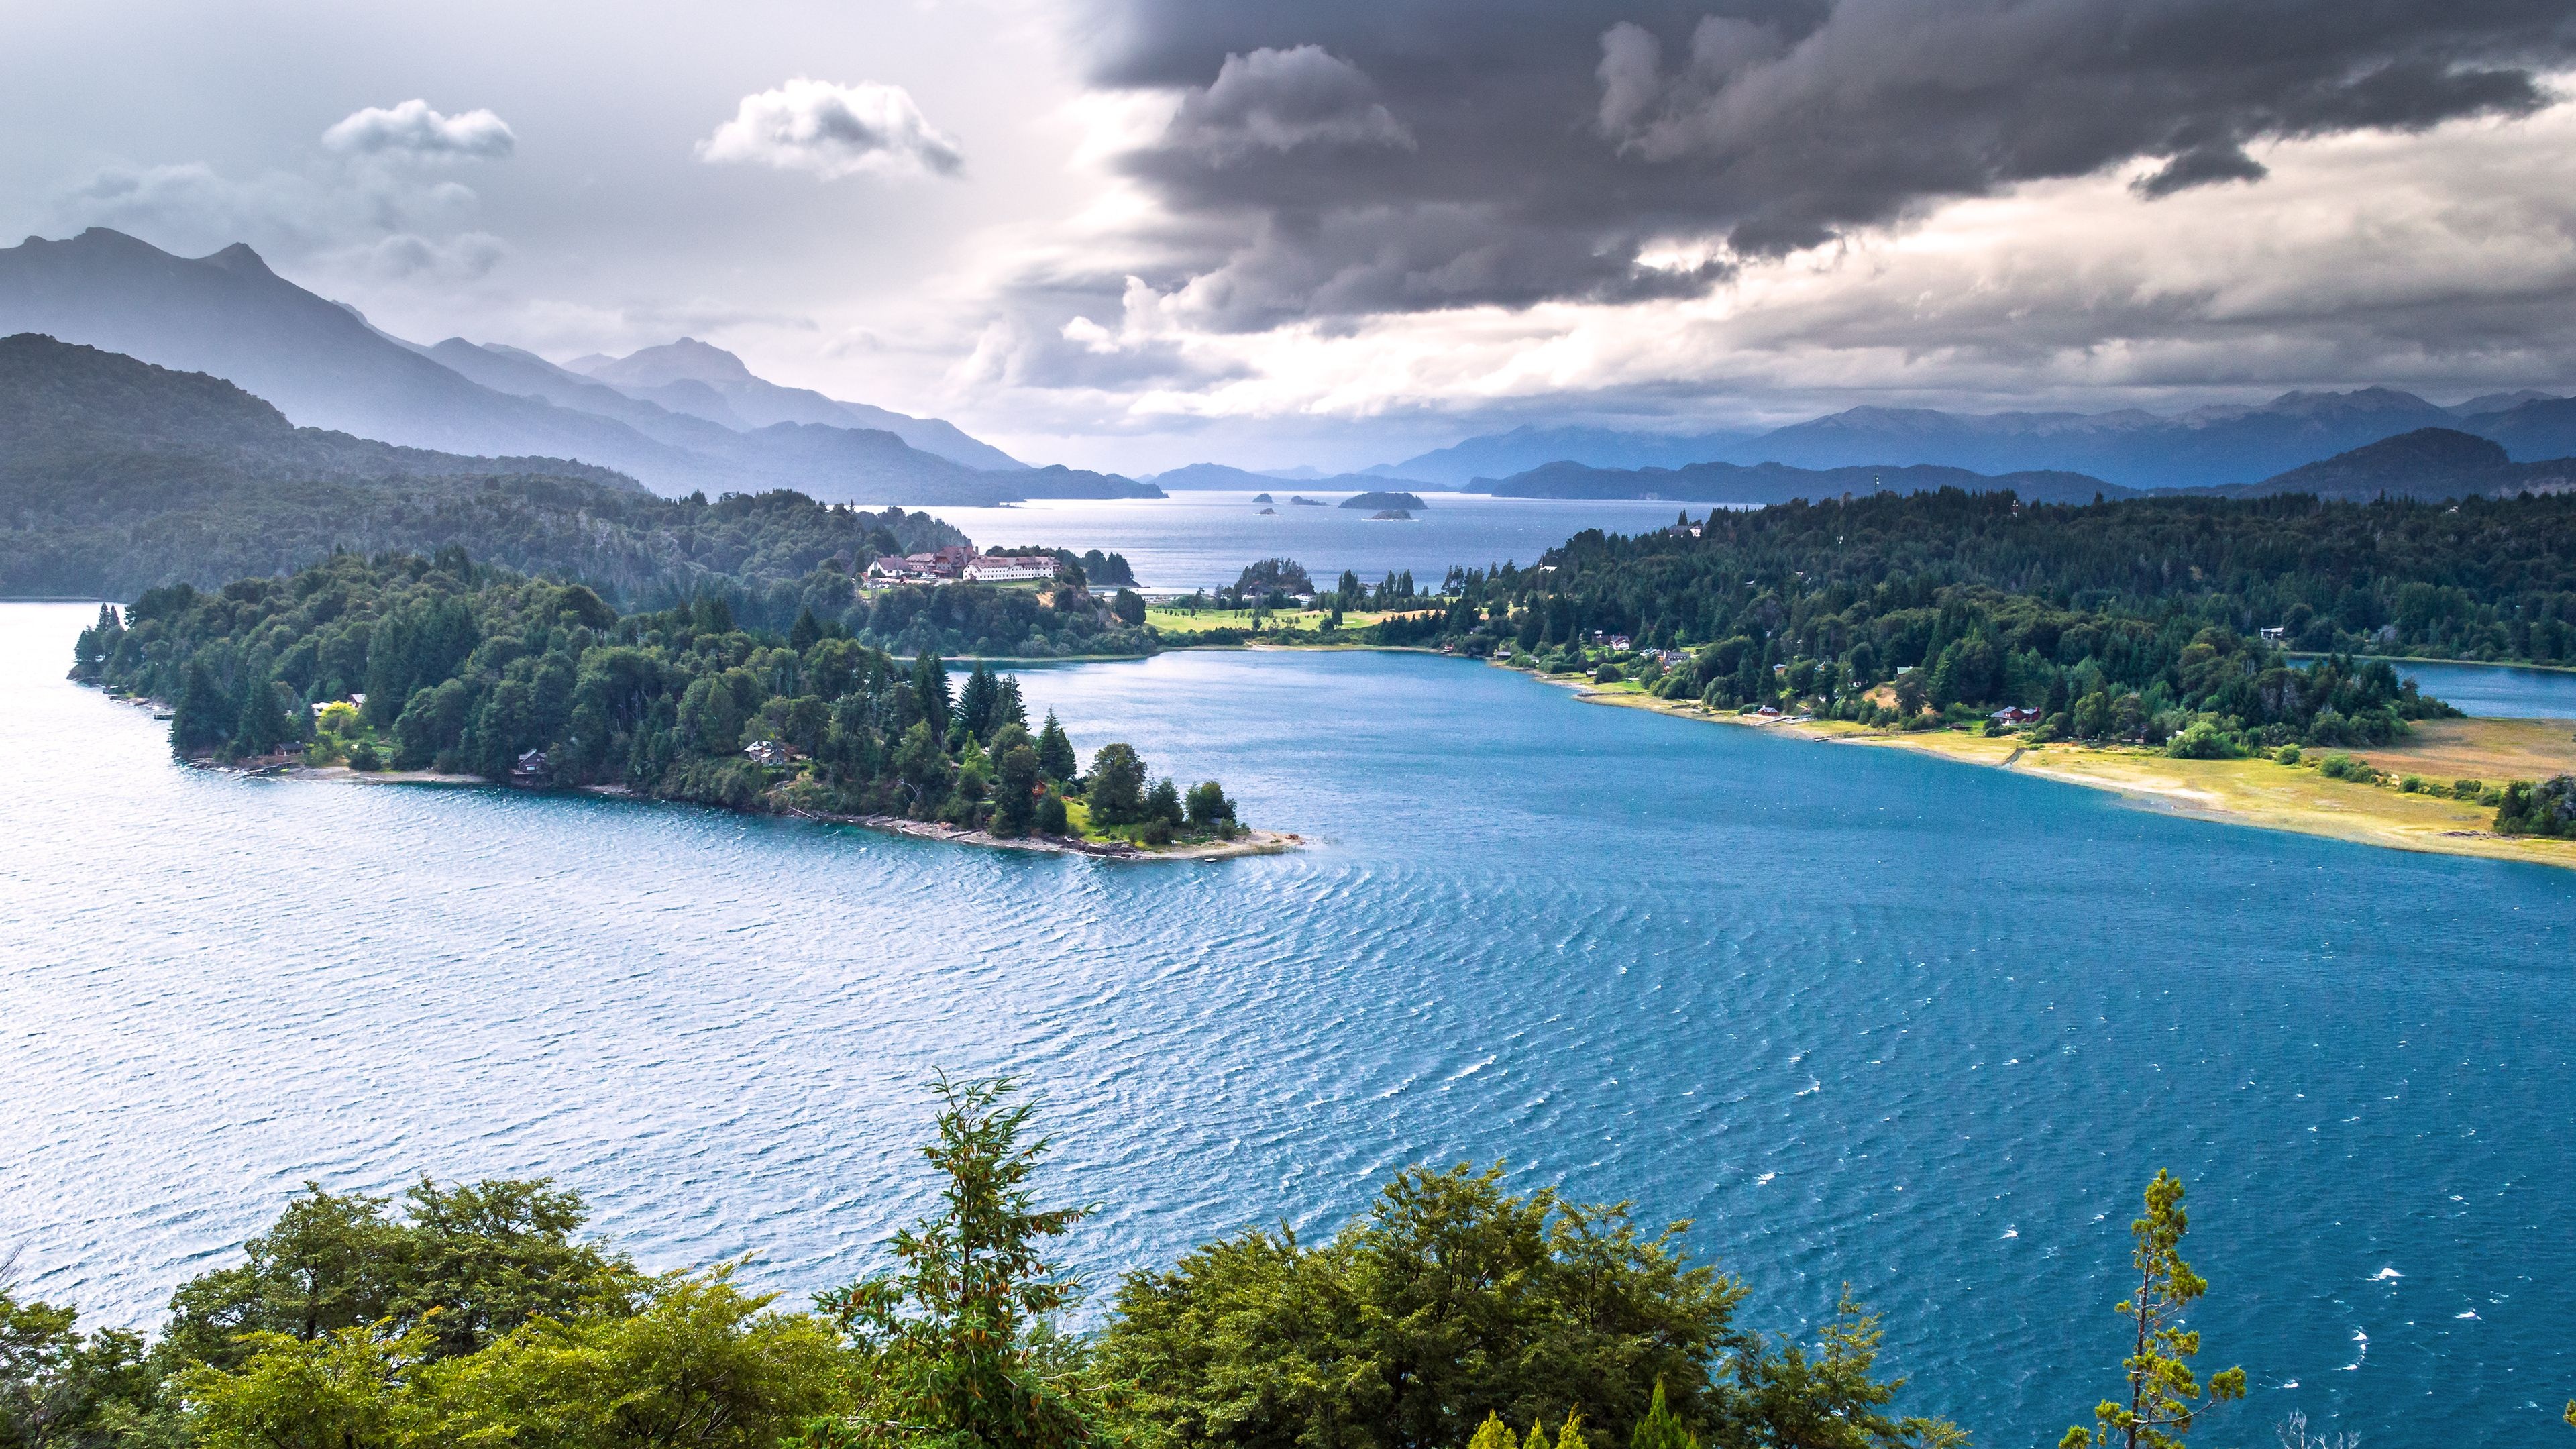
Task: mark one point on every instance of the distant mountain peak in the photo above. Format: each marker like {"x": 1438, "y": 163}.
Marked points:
{"x": 687, "y": 360}
{"x": 239, "y": 258}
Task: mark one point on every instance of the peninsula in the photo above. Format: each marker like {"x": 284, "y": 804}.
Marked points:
{"x": 443, "y": 670}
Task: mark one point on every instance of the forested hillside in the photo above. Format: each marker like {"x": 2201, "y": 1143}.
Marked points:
{"x": 468, "y": 669}
{"x": 117, "y": 476}
{"x": 2483, "y": 579}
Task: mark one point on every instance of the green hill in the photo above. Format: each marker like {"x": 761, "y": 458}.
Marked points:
{"x": 117, "y": 476}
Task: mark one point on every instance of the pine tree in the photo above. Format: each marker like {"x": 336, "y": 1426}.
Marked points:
{"x": 262, "y": 723}
{"x": 951, "y": 1342}
{"x": 202, "y": 719}
{"x": 1008, "y": 708}
{"x": 2164, "y": 1397}
{"x": 1055, "y": 751}
{"x": 1661, "y": 1429}
{"x": 975, "y": 702}
{"x": 807, "y": 632}
{"x": 930, "y": 690}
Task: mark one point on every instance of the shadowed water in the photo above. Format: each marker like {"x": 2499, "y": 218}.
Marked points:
{"x": 1863, "y": 1015}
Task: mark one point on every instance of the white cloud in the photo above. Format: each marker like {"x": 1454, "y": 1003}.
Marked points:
{"x": 412, "y": 129}
{"x": 834, "y": 131}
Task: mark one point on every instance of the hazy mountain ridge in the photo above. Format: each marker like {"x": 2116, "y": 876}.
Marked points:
{"x": 1220, "y": 476}
{"x": 320, "y": 363}
{"x": 117, "y": 475}
{"x": 2206, "y": 447}
{"x": 1766, "y": 483}
{"x": 2429, "y": 464}
{"x": 706, "y": 381}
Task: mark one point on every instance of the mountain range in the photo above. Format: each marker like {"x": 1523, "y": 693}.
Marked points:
{"x": 1202, "y": 476}
{"x": 2204, "y": 448}
{"x": 323, "y": 365}
{"x": 2427, "y": 463}
{"x": 118, "y": 476}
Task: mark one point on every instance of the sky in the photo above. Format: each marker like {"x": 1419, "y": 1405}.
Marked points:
{"x": 1131, "y": 234}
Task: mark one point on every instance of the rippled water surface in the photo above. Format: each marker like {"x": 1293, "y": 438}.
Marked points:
{"x": 1862, "y": 1015}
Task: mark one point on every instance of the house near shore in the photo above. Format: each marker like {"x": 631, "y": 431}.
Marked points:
{"x": 530, "y": 769}
{"x": 768, "y": 752}
{"x": 2013, "y": 714}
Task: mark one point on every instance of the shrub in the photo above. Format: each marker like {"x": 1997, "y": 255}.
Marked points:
{"x": 2546, "y": 808}
{"x": 2467, "y": 789}
{"x": 2414, "y": 785}
{"x": 2287, "y": 755}
{"x": 1157, "y": 831}
{"x": 363, "y": 757}
{"x": 1607, "y": 673}
{"x": 2201, "y": 740}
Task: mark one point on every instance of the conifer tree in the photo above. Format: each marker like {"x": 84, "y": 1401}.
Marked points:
{"x": 930, "y": 691}
{"x": 2164, "y": 1396}
{"x": 951, "y": 1343}
{"x": 262, "y": 725}
{"x": 1055, "y": 751}
{"x": 1493, "y": 1434}
{"x": 1661, "y": 1429}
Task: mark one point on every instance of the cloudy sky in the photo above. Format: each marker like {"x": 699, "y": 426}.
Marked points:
{"x": 1137, "y": 233}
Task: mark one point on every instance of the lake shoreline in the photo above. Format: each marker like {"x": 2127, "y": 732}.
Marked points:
{"x": 1247, "y": 843}
{"x": 2256, "y": 793}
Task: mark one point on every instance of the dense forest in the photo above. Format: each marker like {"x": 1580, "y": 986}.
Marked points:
{"x": 2134, "y": 620}
{"x": 467, "y": 668}
{"x": 2482, "y": 579}
{"x": 1447, "y": 1313}
{"x": 117, "y": 477}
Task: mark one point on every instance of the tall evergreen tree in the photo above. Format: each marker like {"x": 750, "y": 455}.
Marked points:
{"x": 262, "y": 725}
{"x": 930, "y": 690}
{"x": 2164, "y": 1396}
{"x": 1055, "y": 751}
{"x": 951, "y": 1341}
{"x": 807, "y": 632}
{"x": 202, "y": 717}
{"x": 975, "y": 703}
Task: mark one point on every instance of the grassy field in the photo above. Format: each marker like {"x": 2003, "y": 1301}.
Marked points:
{"x": 2260, "y": 792}
{"x": 1178, "y": 624}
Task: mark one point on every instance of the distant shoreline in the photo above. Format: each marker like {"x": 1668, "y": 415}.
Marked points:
{"x": 2250, "y": 792}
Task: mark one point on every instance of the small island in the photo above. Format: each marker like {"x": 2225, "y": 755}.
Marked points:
{"x": 1263, "y": 498}
{"x": 407, "y": 669}
{"x": 1384, "y": 500}
{"x": 1390, "y": 515}
{"x": 1300, "y": 500}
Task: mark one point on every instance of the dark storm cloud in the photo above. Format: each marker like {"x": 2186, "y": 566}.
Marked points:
{"x": 1389, "y": 155}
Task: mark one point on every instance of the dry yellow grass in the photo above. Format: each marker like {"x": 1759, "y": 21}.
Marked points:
{"x": 2259, "y": 792}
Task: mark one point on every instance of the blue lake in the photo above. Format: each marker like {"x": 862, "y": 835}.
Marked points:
{"x": 1202, "y": 540}
{"x": 2496, "y": 690}
{"x": 1863, "y": 1016}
